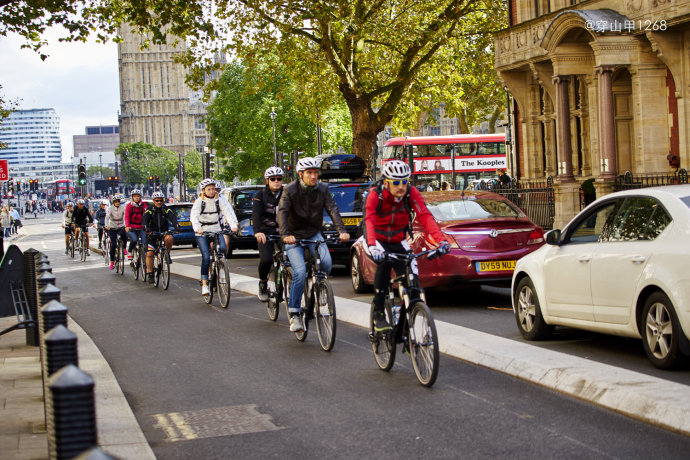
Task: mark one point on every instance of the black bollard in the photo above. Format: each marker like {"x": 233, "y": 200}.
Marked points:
{"x": 44, "y": 267}
{"x": 31, "y": 294}
{"x": 60, "y": 349}
{"x": 44, "y": 279}
{"x": 53, "y": 314}
{"x": 71, "y": 421}
{"x": 47, "y": 293}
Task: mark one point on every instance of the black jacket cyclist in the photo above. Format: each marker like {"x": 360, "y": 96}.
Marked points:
{"x": 81, "y": 219}
{"x": 156, "y": 219}
{"x": 264, "y": 223}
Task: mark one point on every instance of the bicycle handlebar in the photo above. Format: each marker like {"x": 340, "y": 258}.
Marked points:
{"x": 410, "y": 256}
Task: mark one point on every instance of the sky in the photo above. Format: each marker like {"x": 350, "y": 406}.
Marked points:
{"x": 79, "y": 80}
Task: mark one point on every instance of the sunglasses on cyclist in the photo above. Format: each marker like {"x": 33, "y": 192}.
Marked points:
{"x": 397, "y": 182}
{"x": 157, "y": 201}
{"x": 275, "y": 179}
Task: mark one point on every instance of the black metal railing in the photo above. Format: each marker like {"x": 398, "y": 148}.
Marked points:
{"x": 535, "y": 197}
{"x": 629, "y": 181}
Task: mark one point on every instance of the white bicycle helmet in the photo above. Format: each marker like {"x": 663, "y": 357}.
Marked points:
{"x": 396, "y": 169}
{"x": 135, "y": 191}
{"x": 105, "y": 202}
{"x": 157, "y": 195}
{"x": 308, "y": 163}
{"x": 206, "y": 182}
{"x": 80, "y": 201}
{"x": 117, "y": 198}
{"x": 273, "y": 171}
{"x": 69, "y": 203}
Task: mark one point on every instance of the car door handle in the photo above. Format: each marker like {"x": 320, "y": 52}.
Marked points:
{"x": 638, "y": 259}
{"x": 584, "y": 259}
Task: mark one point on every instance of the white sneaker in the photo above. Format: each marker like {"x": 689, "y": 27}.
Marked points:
{"x": 204, "y": 289}
{"x": 295, "y": 324}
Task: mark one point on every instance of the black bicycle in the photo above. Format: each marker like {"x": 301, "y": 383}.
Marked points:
{"x": 219, "y": 272}
{"x": 105, "y": 246}
{"x": 138, "y": 262}
{"x": 72, "y": 243}
{"x": 80, "y": 242}
{"x": 276, "y": 287}
{"x": 318, "y": 296}
{"x": 412, "y": 323}
{"x": 161, "y": 259}
{"x": 120, "y": 256}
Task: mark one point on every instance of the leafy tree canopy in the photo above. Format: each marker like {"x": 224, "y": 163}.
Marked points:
{"x": 239, "y": 121}
{"x": 92, "y": 171}
{"x": 141, "y": 160}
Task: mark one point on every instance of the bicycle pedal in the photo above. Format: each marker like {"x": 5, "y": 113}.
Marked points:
{"x": 372, "y": 337}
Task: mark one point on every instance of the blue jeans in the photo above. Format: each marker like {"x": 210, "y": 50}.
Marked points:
{"x": 204, "y": 246}
{"x": 132, "y": 235}
{"x": 295, "y": 254}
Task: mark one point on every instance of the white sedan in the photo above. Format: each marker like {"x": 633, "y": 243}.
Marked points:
{"x": 621, "y": 266}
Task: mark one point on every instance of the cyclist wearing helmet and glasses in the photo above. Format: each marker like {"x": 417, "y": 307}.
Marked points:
{"x": 300, "y": 215}
{"x": 156, "y": 220}
{"x": 99, "y": 217}
{"x": 134, "y": 213}
{"x": 81, "y": 219}
{"x": 206, "y": 214}
{"x": 391, "y": 207}
{"x": 264, "y": 222}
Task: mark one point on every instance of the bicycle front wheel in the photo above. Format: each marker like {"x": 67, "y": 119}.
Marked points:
{"x": 287, "y": 283}
{"x": 105, "y": 245}
{"x": 423, "y": 343}
{"x": 72, "y": 243}
{"x": 383, "y": 344}
{"x": 274, "y": 290}
{"x": 135, "y": 262}
{"x": 324, "y": 312}
{"x": 142, "y": 263}
{"x": 120, "y": 257}
{"x": 82, "y": 244}
{"x": 157, "y": 264}
{"x": 164, "y": 268}
{"x": 223, "y": 282}
{"x": 211, "y": 280}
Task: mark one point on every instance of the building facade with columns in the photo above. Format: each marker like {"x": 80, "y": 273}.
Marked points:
{"x": 156, "y": 105}
{"x": 600, "y": 87}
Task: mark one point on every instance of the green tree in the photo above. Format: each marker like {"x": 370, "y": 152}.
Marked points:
{"x": 6, "y": 107}
{"x": 384, "y": 58}
{"x": 92, "y": 171}
{"x": 141, "y": 160}
{"x": 192, "y": 167}
{"x": 240, "y": 124}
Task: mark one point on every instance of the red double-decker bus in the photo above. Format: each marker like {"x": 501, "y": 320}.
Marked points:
{"x": 458, "y": 160}
{"x": 59, "y": 190}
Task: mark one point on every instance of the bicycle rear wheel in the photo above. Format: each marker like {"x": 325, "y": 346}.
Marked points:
{"x": 287, "y": 282}
{"x": 223, "y": 282}
{"x": 135, "y": 262}
{"x": 105, "y": 245}
{"x": 164, "y": 269}
{"x": 383, "y": 345}
{"x": 324, "y": 313}
{"x": 72, "y": 243}
{"x": 274, "y": 290}
{"x": 423, "y": 342}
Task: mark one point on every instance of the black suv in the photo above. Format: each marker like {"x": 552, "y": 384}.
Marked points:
{"x": 242, "y": 200}
{"x": 344, "y": 174}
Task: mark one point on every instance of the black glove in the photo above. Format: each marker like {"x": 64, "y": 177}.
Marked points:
{"x": 444, "y": 248}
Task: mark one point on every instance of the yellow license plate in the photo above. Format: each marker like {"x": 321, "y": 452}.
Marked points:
{"x": 185, "y": 224}
{"x": 496, "y": 266}
{"x": 352, "y": 220}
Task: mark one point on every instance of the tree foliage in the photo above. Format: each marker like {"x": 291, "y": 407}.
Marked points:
{"x": 141, "y": 160}
{"x": 385, "y": 58}
{"x": 239, "y": 121}
{"x": 105, "y": 171}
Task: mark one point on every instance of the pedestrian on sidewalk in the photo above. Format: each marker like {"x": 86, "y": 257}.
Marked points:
{"x": 16, "y": 219}
{"x": 6, "y": 221}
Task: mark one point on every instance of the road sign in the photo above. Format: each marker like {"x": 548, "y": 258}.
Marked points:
{"x": 4, "y": 170}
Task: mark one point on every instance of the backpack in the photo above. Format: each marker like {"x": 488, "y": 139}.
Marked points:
{"x": 378, "y": 189}
{"x": 203, "y": 209}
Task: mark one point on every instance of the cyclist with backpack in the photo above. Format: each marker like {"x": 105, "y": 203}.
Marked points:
{"x": 134, "y": 213}
{"x": 156, "y": 220}
{"x": 81, "y": 219}
{"x": 300, "y": 215}
{"x": 99, "y": 217}
{"x": 264, "y": 212}
{"x": 67, "y": 223}
{"x": 115, "y": 225}
{"x": 205, "y": 215}
{"x": 391, "y": 207}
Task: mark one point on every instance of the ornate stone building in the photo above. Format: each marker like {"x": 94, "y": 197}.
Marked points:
{"x": 156, "y": 105}
{"x": 601, "y": 87}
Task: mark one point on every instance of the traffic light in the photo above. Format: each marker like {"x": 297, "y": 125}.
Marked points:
{"x": 82, "y": 174}
{"x": 150, "y": 182}
{"x": 19, "y": 186}
{"x": 116, "y": 183}
{"x": 288, "y": 172}
{"x": 32, "y": 186}
{"x": 11, "y": 186}
{"x": 109, "y": 184}
{"x": 157, "y": 181}
{"x": 284, "y": 160}
{"x": 212, "y": 163}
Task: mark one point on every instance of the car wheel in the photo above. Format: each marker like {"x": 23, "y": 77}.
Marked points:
{"x": 358, "y": 284}
{"x": 661, "y": 332}
{"x": 528, "y": 316}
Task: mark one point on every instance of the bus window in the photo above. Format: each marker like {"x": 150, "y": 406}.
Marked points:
{"x": 388, "y": 152}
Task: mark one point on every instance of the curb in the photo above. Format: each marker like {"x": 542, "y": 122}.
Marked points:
{"x": 639, "y": 396}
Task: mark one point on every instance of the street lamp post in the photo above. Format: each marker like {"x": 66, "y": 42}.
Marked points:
{"x": 273, "y": 123}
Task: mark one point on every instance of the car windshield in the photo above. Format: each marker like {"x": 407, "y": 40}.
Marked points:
{"x": 349, "y": 197}
{"x": 482, "y": 208}
{"x": 243, "y": 200}
{"x": 182, "y": 212}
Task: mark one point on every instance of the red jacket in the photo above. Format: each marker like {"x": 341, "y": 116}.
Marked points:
{"x": 134, "y": 215}
{"x": 388, "y": 225}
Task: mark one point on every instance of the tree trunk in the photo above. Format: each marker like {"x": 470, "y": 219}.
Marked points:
{"x": 462, "y": 123}
{"x": 494, "y": 116}
{"x": 365, "y": 126}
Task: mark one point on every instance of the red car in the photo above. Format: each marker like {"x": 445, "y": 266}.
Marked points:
{"x": 487, "y": 232}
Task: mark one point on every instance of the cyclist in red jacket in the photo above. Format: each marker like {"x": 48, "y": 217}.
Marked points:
{"x": 134, "y": 213}
{"x": 390, "y": 209}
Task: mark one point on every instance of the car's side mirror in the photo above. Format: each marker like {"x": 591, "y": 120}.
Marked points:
{"x": 553, "y": 237}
